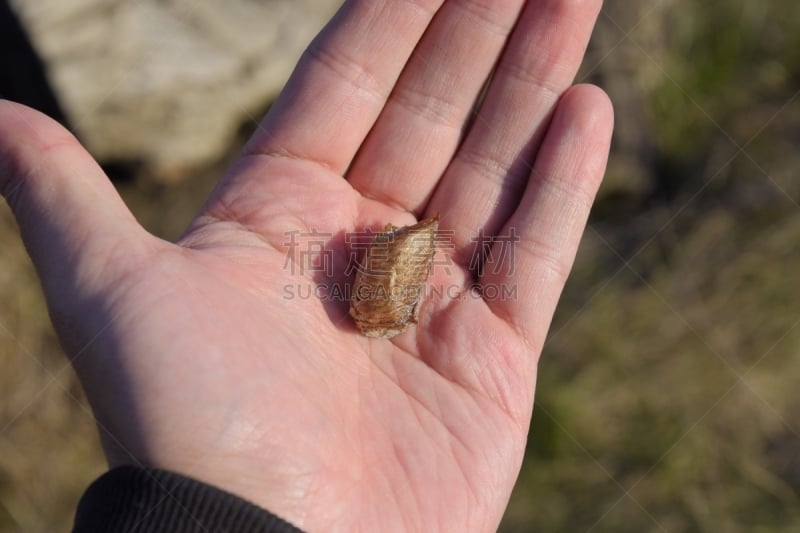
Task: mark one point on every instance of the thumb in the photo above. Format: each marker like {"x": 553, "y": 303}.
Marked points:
{"x": 74, "y": 225}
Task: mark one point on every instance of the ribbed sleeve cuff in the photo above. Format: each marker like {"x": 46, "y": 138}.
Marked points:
{"x": 129, "y": 498}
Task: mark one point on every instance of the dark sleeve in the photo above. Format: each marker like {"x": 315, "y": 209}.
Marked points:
{"x": 130, "y": 498}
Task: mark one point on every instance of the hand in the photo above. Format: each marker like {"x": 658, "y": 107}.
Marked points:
{"x": 191, "y": 354}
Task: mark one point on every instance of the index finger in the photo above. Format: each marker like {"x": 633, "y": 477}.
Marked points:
{"x": 343, "y": 81}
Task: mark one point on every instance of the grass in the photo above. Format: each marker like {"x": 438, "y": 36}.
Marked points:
{"x": 667, "y": 396}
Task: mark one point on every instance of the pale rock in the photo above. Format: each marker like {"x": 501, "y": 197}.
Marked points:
{"x": 167, "y": 83}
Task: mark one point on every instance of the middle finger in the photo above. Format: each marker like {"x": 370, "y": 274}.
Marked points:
{"x": 482, "y": 186}
{"x": 420, "y": 127}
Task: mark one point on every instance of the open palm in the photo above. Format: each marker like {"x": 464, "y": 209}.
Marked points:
{"x": 209, "y": 357}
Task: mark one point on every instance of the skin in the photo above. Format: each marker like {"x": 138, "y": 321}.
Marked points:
{"x": 191, "y": 355}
